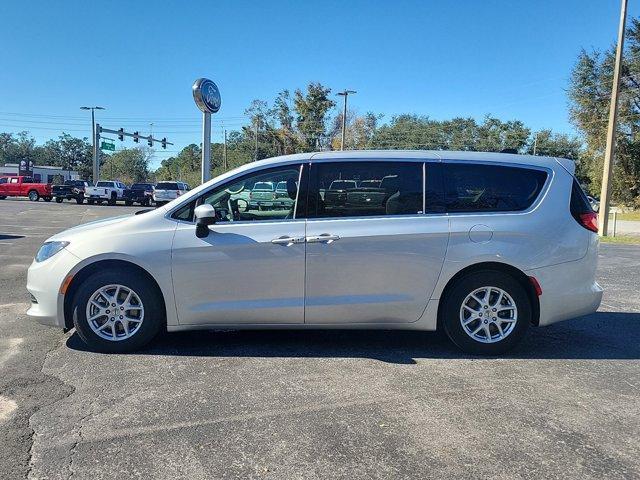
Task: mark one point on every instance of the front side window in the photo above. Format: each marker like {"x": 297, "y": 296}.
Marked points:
{"x": 490, "y": 188}
{"x": 357, "y": 189}
{"x": 251, "y": 197}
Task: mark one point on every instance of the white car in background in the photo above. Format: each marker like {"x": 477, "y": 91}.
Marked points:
{"x": 480, "y": 245}
{"x": 164, "y": 192}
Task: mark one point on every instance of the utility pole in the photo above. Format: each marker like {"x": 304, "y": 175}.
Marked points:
{"x": 224, "y": 151}
{"x": 609, "y": 156}
{"x": 255, "y": 155}
{"x": 96, "y": 147}
{"x": 344, "y": 94}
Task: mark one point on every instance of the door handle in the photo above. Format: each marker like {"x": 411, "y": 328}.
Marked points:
{"x": 323, "y": 238}
{"x": 287, "y": 240}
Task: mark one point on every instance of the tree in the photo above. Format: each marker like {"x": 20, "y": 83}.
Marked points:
{"x": 129, "y": 165}
{"x": 589, "y": 100}
{"x": 311, "y": 115}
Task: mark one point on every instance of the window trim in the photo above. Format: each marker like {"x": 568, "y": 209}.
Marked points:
{"x": 198, "y": 200}
{"x": 544, "y": 190}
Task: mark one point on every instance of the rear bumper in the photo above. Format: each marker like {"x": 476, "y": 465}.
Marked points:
{"x": 569, "y": 289}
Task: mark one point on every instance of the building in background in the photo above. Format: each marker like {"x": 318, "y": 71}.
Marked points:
{"x": 43, "y": 173}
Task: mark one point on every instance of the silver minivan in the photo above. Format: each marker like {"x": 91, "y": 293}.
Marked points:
{"x": 480, "y": 245}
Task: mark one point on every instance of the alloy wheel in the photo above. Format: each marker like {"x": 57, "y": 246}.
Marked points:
{"x": 115, "y": 312}
{"x": 488, "y": 314}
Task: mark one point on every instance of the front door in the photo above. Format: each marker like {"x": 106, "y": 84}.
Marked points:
{"x": 250, "y": 268}
{"x": 373, "y": 255}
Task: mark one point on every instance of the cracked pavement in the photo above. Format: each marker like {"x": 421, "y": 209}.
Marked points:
{"x": 341, "y": 404}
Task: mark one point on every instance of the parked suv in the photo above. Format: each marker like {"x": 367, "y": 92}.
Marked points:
{"x": 480, "y": 245}
{"x": 166, "y": 191}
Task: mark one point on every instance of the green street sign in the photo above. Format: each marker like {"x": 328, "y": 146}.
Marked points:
{"x": 108, "y": 146}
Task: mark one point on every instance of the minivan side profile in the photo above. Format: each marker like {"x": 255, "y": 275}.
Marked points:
{"x": 480, "y": 245}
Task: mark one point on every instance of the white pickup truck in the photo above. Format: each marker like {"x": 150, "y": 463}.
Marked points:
{"x": 105, "y": 191}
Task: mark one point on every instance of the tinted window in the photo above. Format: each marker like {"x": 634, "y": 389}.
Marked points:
{"x": 104, "y": 184}
{"x": 167, "y": 186}
{"x": 141, "y": 186}
{"x": 579, "y": 201}
{"x": 490, "y": 188}
{"x": 336, "y": 191}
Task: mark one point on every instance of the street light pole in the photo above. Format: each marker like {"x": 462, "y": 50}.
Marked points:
{"x": 96, "y": 160}
{"x": 609, "y": 156}
{"x": 344, "y": 94}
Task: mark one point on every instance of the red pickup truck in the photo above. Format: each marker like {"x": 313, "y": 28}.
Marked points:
{"x": 24, "y": 187}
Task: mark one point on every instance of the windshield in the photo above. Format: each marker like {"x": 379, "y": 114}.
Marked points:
{"x": 268, "y": 186}
{"x": 167, "y": 186}
{"x": 342, "y": 184}
{"x": 104, "y": 184}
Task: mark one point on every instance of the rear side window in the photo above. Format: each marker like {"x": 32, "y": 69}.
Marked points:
{"x": 347, "y": 189}
{"x": 167, "y": 186}
{"x": 490, "y": 188}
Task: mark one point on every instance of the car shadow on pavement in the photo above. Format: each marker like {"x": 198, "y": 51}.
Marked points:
{"x": 6, "y": 236}
{"x": 603, "y": 335}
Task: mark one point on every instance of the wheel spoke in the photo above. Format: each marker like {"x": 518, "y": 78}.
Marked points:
{"x": 499, "y": 300}
{"x": 500, "y": 331}
{"x": 487, "y": 332}
{"x": 125, "y": 326}
{"x": 472, "y": 310}
{"x": 105, "y": 324}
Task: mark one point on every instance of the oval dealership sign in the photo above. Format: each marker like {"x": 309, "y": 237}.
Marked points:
{"x": 206, "y": 95}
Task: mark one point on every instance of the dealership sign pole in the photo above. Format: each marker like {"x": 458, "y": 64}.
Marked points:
{"x": 207, "y": 98}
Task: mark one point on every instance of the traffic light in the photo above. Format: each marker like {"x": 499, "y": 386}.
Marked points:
{"x": 136, "y": 136}
{"x": 150, "y": 141}
{"x": 164, "y": 143}
{"x": 121, "y": 134}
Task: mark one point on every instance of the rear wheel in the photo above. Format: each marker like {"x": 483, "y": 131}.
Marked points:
{"x": 2, "y": 197}
{"x": 486, "y": 313}
{"x": 112, "y": 199}
{"x": 90, "y": 201}
{"x": 59, "y": 199}
{"x": 80, "y": 200}
{"x": 34, "y": 196}
{"x": 113, "y": 312}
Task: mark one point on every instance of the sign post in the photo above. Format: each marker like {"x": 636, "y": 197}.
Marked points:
{"x": 207, "y": 98}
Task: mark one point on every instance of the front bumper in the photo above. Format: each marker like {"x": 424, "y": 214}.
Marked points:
{"x": 44, "y": 280}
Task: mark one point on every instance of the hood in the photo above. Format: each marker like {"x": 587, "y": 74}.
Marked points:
{"x": 90, "y": 226}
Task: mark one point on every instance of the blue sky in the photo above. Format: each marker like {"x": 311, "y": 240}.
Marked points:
{"x": 511, "y": 59}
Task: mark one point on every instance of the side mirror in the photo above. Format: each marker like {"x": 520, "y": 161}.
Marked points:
{"x": 205, "y": 216}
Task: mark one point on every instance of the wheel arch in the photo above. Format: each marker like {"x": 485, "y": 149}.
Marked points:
{"x": 514, "y": 272}
{"x": 100, "y": 265}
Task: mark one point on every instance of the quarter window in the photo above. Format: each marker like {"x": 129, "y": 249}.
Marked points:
{"x": 490, "y": 188}
{"x": 358, "y": 189}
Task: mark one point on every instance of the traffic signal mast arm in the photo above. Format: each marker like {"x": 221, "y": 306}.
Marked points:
{"x": 135, "y": 135}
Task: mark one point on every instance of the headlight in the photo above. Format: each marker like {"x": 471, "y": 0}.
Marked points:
{"x": 49, "y": 249}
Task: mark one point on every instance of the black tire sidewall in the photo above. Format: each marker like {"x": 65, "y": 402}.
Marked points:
{"x": 35, "y": 197}
{"x": 153, "y": 314}
{"x": 466, "y": 285}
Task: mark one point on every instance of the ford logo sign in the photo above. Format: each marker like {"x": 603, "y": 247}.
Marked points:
{"x": 206, "y": 95}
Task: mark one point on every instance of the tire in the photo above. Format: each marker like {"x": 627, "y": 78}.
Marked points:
{"x": 59, "y": 199}
{"x": 153, "y": 317}
{"x": 454, "y": 313}
{"x": 2, "y": 197}
{"x": 112, "y": 199}
{"x": 33, "y": 195}
{"x": 79, "y": 200}
{"x": 145, "y": 202}
{"x": 90, "y": 201}
{"x": 128, "y": 203}
{"x": 47, "y": 199}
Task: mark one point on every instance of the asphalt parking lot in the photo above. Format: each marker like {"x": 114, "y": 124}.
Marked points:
{"x": 341, "y": 404}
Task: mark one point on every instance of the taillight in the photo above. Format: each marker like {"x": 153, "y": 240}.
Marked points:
{"x": 589, "y": 221}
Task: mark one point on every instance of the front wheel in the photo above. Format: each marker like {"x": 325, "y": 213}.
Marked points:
{"x": 486, "y": 313}
{"x": 113, "y": 312}
{"x": 58, "y": 199}
{"x": 112, "y": 200}
{"x": 34, "y": 196}
{"x": 80, "y": 200}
